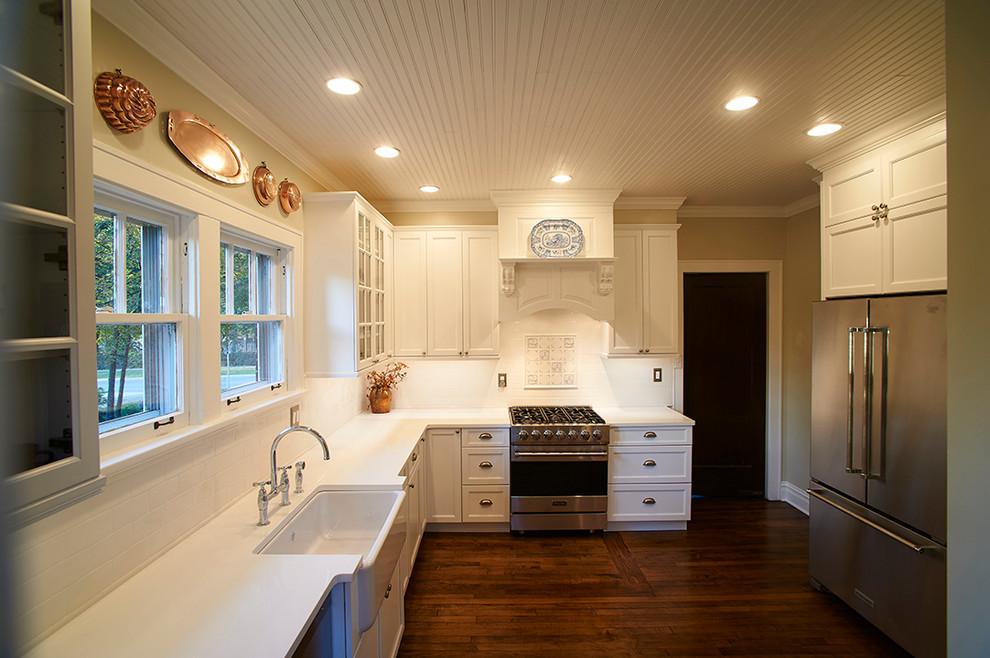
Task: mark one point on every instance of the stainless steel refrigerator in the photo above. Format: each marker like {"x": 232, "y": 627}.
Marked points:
{"x": 878, "y": 463}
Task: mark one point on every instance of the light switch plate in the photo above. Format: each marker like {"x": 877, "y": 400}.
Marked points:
{"x": 502, "y": 380}
{"x": 658, "y": 374}
{"x": 294, "y": 415}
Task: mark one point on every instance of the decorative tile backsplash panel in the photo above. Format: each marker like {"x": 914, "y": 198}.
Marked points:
{"x": 550, "y": 361}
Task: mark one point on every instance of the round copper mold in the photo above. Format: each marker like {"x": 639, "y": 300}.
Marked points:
{"x": 126, "y": 104}
{"x": 207, "y": 148}
{"x": 263, "y": 181}
{"x": 289, "y": 196}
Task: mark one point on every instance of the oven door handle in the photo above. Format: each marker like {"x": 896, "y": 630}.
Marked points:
{"x": 526, "y": 455}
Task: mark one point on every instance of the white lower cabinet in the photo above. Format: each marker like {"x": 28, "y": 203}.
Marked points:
{"x": 649, "y": 475}
{"x": 416, "y": 506}
{"x": 468, "y": 475}
{"x": 391, "y": 619}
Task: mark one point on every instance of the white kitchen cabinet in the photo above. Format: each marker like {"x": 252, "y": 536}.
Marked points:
{"x": 645, "y": 289}
{"x": 484, "y": 466}
{"x": 649, "y": 475}
{"x": 443, "y": 476}
{"x": 884, "y": 218}
{"x": 485, "y": 504}
{"x": 347, "y": 294}
{"x": 448, "y": 304}
{"x": 391, "y": 620}
{"x": 416, "y": 497}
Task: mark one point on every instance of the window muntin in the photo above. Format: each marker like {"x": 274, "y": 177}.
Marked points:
{"x": 138, "y": 350}
{"x": 251, "y": 321}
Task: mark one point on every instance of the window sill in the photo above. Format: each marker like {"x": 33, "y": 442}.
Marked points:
{"x": 132, "y": 457}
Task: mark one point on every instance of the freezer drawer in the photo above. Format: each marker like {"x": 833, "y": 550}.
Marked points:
{"x": 899, "y": 590}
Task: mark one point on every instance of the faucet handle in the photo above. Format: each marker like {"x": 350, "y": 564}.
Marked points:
{"x": 299, "y": 469}
{"x": 261, "y": 484}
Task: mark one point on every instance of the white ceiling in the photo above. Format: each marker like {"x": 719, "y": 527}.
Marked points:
{"x": 502, "y": 94}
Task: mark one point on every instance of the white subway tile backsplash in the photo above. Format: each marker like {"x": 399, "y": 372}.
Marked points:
{"x": 68, "y": 560}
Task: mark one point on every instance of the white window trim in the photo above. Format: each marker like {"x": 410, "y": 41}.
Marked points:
{"x": 200, "y": 235}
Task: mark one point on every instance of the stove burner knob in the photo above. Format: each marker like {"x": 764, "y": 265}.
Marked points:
{"x": 523, "y": 434}
{"x": 560, "y": 435}
{"x": 597, "y": 434}
{"x": 585, "y": 434}
{"x": 571, "y": 434}
{"x": 547, "y": 433}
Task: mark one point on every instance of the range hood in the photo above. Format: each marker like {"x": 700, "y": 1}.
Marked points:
{"x": 581, "y": 281}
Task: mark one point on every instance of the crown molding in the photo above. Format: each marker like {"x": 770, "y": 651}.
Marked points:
{"x": 530, "y": 198}
{"x": 172, "y": 53}
{"x": 747, "y": 212}
{"x": 424, "y": 205}
{"x": 924, "y": 115}
{"x": 649, "y": 202}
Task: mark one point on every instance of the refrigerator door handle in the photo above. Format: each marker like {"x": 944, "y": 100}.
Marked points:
{"x": 850, "y": 420}
{"x": 918, "y": 548}
{"x": 877, "y": 371}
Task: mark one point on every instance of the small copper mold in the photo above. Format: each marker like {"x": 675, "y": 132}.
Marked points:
{"x": 289, "y": 196}
{"x": 207, "y": 148}
{"x": 126, "y": 104}
{"x": 263, "y": 181}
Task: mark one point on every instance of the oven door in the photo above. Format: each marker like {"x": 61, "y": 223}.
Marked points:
{"x": 559, "y": 490}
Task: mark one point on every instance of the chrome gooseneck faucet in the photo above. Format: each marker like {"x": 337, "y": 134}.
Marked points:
{"x": 282, "y": 485}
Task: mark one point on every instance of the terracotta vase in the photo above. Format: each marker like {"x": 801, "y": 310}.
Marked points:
{"x": 381, "y": 400}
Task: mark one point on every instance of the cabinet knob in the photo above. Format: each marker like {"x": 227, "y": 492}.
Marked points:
{"x": 412, "y": 486}
{"x": 486, "y": 502}
{"x": 486, "y": 464}
{"x": 415, "y": 456}
{"x": 649, "y": 463}
{"x": 388, "y": 590}
{"x": 650, "y": 435}
{"x": 649, "y": 501}
{"x": 647, "y": 350}
{"x": 424, "y": 353}
{"x": 641, "y": 351}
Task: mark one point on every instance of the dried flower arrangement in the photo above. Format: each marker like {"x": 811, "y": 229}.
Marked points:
{"x": 380, "y": 386}
{"x": 387, "y": 379}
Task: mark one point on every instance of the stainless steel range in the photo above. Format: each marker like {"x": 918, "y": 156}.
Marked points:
{"x": 558, "y": 471}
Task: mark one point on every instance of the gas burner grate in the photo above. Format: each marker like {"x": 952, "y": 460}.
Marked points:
{"x": 554, "y": 415}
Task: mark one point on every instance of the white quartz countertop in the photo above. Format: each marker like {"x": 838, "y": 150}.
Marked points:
{"x": 211, "y": 595}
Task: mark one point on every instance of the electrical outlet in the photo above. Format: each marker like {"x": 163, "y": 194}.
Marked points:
{"x": 658, "y": 374}
{"x": 294, "y": 415}
{"x": 502, "y": 380}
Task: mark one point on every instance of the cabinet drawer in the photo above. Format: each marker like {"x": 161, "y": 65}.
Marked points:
{"x": 482, "y": 504}
{"x": 651, "y": 435}
{"x": 632, "y": 502}
{"x": 636, "y": 464}
{"x": 485, "y": 466}
{"x": 484, "y": 437}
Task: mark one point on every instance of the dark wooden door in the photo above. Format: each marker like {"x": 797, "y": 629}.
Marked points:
{"x": 725, "y": 381}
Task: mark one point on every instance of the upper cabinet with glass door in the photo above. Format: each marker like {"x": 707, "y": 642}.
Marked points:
{"x": 347, "y": 258}
{"x": 47, "y": 331}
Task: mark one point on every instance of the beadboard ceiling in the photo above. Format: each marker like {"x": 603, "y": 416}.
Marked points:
{"x": 481, "y": 95}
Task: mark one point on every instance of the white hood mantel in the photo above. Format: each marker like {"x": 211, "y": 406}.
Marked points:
{"x": 529, "y": 283}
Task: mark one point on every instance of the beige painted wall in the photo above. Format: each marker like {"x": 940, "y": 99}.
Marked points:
{"x": 628, "y": 216}
{"x": 968, "y": 52}
{"x": 721, "y": 238}
{"x": 802, "y": 285}
{"x": 112, "y": 49}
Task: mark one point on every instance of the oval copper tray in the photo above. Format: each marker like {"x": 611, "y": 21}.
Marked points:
{"x": 207, "y": 148}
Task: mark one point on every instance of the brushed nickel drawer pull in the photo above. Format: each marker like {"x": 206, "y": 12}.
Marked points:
{"x": 649, "y": 501}
{"x": 486, "y": 464}
{"x": 649, "y": 463}
{"x": 650, "y": 435}
{"x": 484, "y": 436}
{"x": 486, "y": 502}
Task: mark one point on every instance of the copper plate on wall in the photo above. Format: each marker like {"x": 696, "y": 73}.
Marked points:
{"x": 263, "y": 182}
{"x": 207, "y": 148}
{"x": 126, "y": 104}
{"x": 289, "y": 196}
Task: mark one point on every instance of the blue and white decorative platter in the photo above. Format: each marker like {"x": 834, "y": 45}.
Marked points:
{"x": 556, "y": 238}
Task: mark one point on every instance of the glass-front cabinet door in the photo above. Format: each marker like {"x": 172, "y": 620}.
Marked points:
{"x": 49, "y": 437}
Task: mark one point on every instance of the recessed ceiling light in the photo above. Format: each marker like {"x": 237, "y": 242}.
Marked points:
{"x": 561, "y": 178}
{"x": 741, "y": 103}
{"x": 429, "y": 188}
{"x": 825, "y": 129}
{"x": 344, "y": 86}
{"x": 387, "y": 152}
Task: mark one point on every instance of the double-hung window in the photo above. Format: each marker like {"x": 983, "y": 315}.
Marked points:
{"x": 139, "y": 324}
{"x": 252, "y": 316}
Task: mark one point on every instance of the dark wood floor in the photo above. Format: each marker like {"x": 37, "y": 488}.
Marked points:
{"x": 734, "y": 584}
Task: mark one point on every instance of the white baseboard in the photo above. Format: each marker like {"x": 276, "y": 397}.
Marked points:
{"x": 796, "y": 497}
